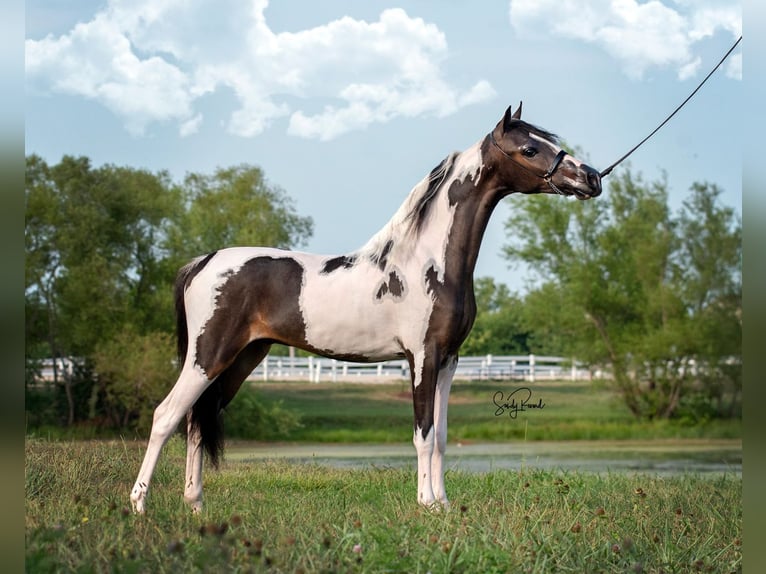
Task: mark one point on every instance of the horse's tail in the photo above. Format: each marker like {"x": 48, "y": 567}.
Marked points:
{"x": 205, "y": 417}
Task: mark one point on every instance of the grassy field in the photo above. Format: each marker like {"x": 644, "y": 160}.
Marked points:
{"x": 269, "y": 516}
{"x": 348, "y": 412}
{"x": 279, "y": 517}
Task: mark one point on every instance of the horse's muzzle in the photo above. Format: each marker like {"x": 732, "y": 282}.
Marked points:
{"x": 593, "y": 181}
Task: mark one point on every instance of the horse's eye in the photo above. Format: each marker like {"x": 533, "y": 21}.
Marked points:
{"x": 529, "y": 151}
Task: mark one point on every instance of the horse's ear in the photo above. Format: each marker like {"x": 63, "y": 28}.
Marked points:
{"x": 507, "y": 119}
{"x": 510, "y": 116}
{"x": 517, "y": 114}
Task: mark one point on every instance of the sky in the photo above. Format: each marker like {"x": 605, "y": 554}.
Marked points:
{"x": 347, "y": 105}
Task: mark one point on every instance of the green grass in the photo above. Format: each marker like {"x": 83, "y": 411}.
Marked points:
{"x": 280, "y": 517}
{"x": 353, "y": 412}
{"x": 382, "y": 413}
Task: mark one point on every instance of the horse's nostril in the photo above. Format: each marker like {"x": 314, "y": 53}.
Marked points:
{"x": 594, "y": 179}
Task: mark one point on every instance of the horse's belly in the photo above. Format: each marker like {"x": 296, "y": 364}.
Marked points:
{"x": 359, "y": 324}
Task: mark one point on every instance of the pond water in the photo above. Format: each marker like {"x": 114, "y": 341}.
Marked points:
{"x": 660, "y": 457}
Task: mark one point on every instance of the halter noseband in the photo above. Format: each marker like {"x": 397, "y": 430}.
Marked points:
{"x": 547, "y": 176}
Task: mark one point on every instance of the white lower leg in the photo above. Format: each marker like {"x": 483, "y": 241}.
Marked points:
{"x": 167, "y": 415}
{"x": 193, "y": 485}
{"x": 424, "y": 448}
{"x": 437, "y": 473}
{"x": 440, "y": 429}
{"x": 141, "y": 487}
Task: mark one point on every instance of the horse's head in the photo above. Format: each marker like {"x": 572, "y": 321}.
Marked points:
{"x": 528, "y": 159}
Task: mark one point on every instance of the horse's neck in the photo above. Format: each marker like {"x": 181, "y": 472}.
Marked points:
{"x": 452, "y": 226}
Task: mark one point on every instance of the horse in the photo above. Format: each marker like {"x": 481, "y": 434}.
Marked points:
{"x": 407, "y": 293}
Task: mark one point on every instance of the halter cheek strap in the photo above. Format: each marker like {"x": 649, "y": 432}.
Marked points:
{"x": 554, "y": 166}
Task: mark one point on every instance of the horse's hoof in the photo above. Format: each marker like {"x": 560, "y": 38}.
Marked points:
{"x": 138, "y": 506}
{"x": 137, "y": 498}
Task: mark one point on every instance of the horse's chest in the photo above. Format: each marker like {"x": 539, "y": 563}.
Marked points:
{"x": 453, "y": 316}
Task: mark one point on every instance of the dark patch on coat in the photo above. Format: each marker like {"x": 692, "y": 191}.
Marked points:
{"x": 423, "y": 403}
{"x": 340, "y": 262}
{"x": 260, "y": 300}
{"x": 460, "y": 192}
{"x": 431, "y": 279}
{"x": 422, "y": 396}
{"x": 381, "y": 259}
{"x": 393, "y": 286}
{"x": 350, "y": 357}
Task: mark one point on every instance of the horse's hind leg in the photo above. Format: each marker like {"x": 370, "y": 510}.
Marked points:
{"x": 193, "y": 487}
{"x": 190, "y": 385}
{"x": 228, "y": 382}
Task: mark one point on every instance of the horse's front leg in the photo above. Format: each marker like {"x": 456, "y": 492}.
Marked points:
{"x": 193, "y": 486}
{"x": 424, "y": 390}
{"x": 443, "y": 385}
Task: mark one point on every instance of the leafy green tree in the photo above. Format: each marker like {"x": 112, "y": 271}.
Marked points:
{"x": 134, "y": 372}
{"x": 498, "y": 328}
{"x": 103, "y": 245}
{"x": 710, "y": 261}
{"x": 92, "y": 237}
{"x": 235, "y": 207}
{"x": 624, "y": 284}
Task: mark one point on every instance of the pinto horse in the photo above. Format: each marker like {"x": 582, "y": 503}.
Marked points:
{"x": 407, "y": 293}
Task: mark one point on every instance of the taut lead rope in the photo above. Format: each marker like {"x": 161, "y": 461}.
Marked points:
{"x": 608, "y": 170}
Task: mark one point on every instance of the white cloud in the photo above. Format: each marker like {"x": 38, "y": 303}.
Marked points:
{"x": 190, "y": 127}
{"x": 689, "y": 70}
{"x": 151, "y": 60}
{"x": 95, "y": 60}
{"x": 734, "y": 68}
{"x": 641, "y": 35}
{"x": 482, "y": 91}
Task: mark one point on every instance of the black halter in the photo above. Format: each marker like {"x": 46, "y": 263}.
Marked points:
{"x": 547, "y": 176}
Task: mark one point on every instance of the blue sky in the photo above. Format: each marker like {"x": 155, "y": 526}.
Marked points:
{"x": 347, "y": 105}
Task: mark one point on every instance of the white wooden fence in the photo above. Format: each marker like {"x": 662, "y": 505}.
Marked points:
{"x": 317, "y": 369}
{"x": 521, "y": 367}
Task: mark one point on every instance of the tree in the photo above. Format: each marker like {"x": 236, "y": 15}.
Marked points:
{"x": 498, "y": 327}
{"x": 625, "y": 284}
{"x": 235, "y": 206}
{"x": 92, "y": 238}
{"x": 133, "y": 373}
{"x": 710, "y": 261}
{"x": 103, "y": 246}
